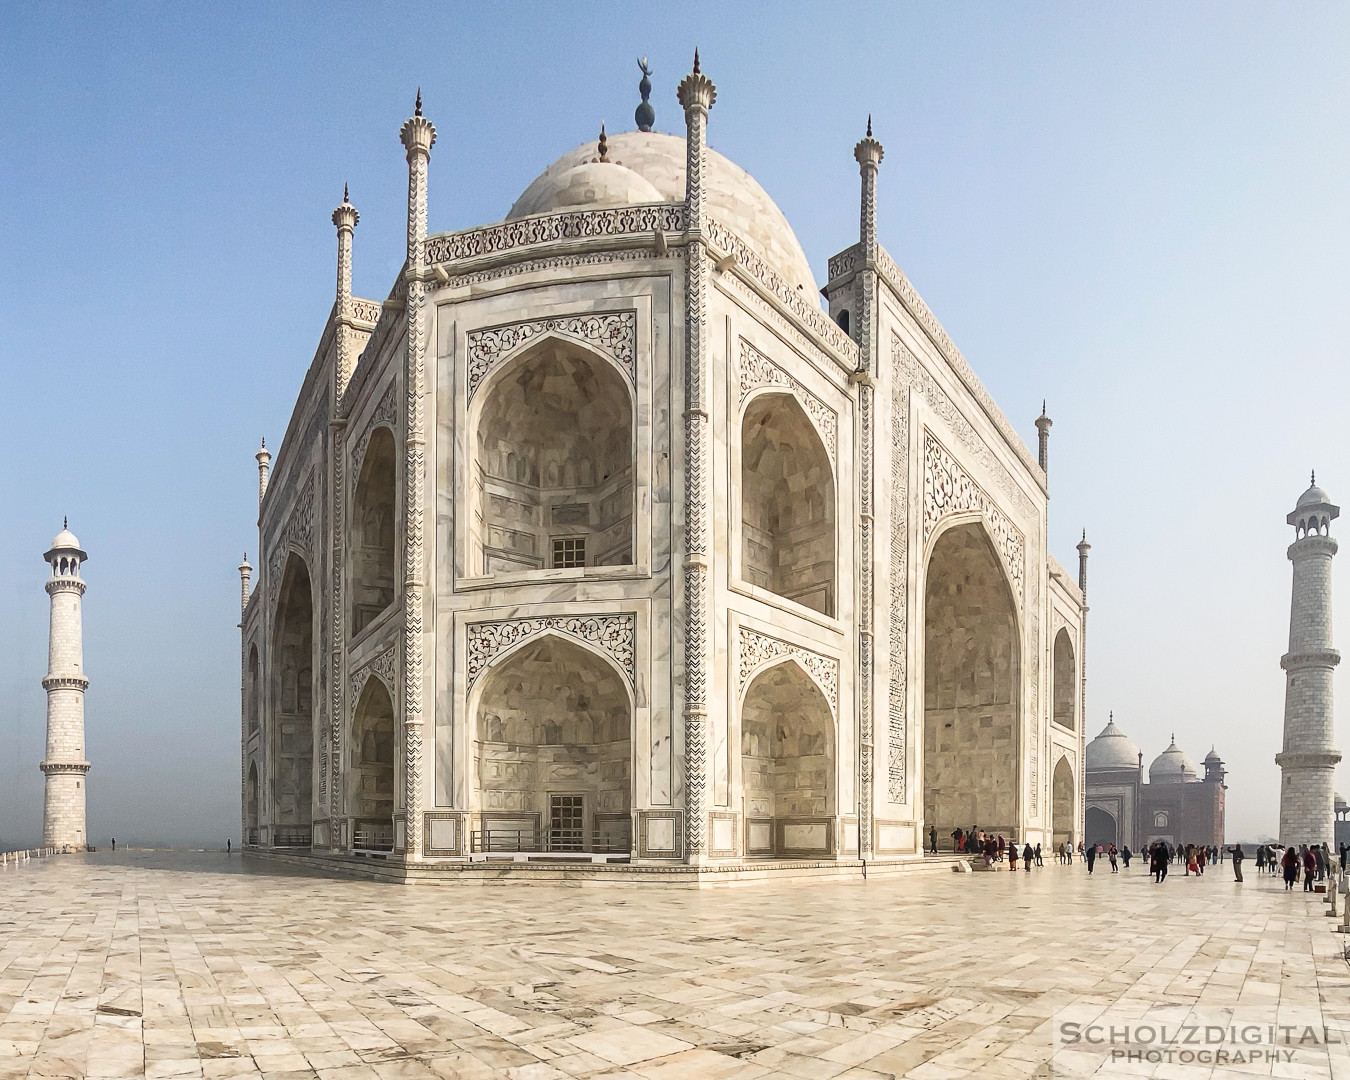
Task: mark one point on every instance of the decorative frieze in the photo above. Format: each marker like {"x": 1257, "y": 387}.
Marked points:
{"x": 611, "y": 332}
{"x": 948, "y": 489}
{"x": 552, "y": 228}
{"x": 757, "y": 370}
{"x": 384, "y": 667}
{"x": 755, "y": 650}
{"x": 614, "y": 634}
{"x": 844, "y": 263}
{"x": 897, "y": 750}
{"x": 298, "y": 532}
{"x": 367, "y": 311}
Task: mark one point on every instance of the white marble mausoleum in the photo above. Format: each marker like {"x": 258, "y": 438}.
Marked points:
{"x": 602, "y": 537}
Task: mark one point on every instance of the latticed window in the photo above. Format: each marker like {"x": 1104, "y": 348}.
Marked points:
{"x": 569, "y": 551}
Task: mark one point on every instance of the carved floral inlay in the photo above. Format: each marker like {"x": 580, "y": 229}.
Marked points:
{"x": 385, "y": 413}
{"x": 612, "y": 332}
{"x": 615, "y": 634}
{"x": 948, "y": 489}
{"x": 758, "y": 370}
{"x": 755, "y": 650}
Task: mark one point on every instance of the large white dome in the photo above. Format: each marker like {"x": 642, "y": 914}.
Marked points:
{"x": 1112, "y": 749}
{"x": 733, "y": 196}
{"x": 1172, "y": 766}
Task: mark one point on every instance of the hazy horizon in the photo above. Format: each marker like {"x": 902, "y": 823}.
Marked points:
{"x": 1136, "y": 213}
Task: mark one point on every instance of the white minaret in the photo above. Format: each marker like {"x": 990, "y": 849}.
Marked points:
{"x": 65, "y": 765}
{"x": 1308, "y": 761}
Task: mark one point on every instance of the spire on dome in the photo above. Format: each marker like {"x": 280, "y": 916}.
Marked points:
{"x": 417, "y": 108}
{"x": 869, "y": 125}
{"x": 65, "y": 522}
{"x": 645, "y": 116}
{"x": 604, "y": 144}
{"x": 697, "y": 69}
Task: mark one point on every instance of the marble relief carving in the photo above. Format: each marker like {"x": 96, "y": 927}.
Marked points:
{"x": 948, "y": 489}
{"x": 385, "y": 413}
{"x": 612, "y": 332}
{"x": 615, "y": 634}
{"x": 755, "y": 650}
{"x": 757, "y": 370}
{"x": 384, "y": 667}
{"x": 551, "y": 228}
{"x": 897, "y": 750}
{"x": 298, "y": 532}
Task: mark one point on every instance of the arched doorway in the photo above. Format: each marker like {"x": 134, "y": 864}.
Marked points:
{"x": 553, "y": 475}
{"x": 254, "y": 691}
{"x": 787, "y": 764}
{"x": 371, "y": 773}
{"x": 553, "y": 752}
{"x": 1100, "y": 827}
{"x": 1061, "y": 802}
{"x": 1066, "y": 679}
{"x": 251, "y": 805}
{"x": 971, "y": 700}
{"x": 291, "y": 739}
{"x": 787, "y": 504}
{"x": 372, "y": 532}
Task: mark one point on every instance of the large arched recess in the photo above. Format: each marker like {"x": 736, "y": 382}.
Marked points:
{"x": 1062, "y": 818}
{"x": 553, "y": 465}
{"x": 971, "y": 687}
{"x": 251, "y": 805}
{"x": 291, "y": 739}
{"x": 787, "y": 503}
{"x": 1066, "y": 678}
{"x": 553, "y": 749}
{"x": 372, "y": 534}
{"x": 787, "y": 763}
{"x": 371, "y": 771}
{"x": 1100, "y": 827}
{"x": 254, "y": 690}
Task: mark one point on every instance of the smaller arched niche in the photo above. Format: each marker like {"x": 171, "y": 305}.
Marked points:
{"x": 787, "y": 504}
{"x": 372, "y": 532}
{"x": 371, "y": 775}
{"x": 1066, "y": 676}
{"x": 1061, "y": 802}
{"x": 254, "y": 689}
{"x": 553, "y": 467}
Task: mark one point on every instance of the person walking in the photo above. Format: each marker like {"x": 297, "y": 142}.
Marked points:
{"x": 1125, "y": 855}
{"x": 1027, "y": 856}
{"x": 227, "y": 845}
{"x": 1012, "y": 854}
{"x": 1260, "y": 859}
{"x": 932, "y": 840}
{"x": 1039, "y": 861}
{"x": 1309, "y": 867}
{"x": 1289, "y": 861}
{"x": 1345, "y": 850}
{"x": 1111, "y": 854}
{"x": 1091, "y": 856}
{"x": 114, "y": 840}
{"x": 1237, "y": 863}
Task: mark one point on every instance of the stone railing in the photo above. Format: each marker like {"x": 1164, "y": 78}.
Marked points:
{"x": 551, "y": 228}
{"x": 366, "y": 310}
{"x": 13, "y": 858}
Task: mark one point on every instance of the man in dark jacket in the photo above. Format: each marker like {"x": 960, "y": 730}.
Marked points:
{"x": 1091, "y": 856}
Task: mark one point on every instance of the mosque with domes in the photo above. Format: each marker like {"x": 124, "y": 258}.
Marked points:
{"x": 602, "y": 539}
{"x": 1177, "y": 803}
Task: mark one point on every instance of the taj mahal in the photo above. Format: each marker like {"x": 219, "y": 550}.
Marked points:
{"x": 602, "y": 538}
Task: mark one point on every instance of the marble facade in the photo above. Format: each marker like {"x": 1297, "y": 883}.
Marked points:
{"x": 628, "y": 547}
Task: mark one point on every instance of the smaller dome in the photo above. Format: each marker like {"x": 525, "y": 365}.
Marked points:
{"x": 1341, "y": 804}
{"x": 1213, "y": 756}
{"x": 64, "y": 540}
{"x": 1112, "y": 749}
{"x": 1312, "y": 496}
{"x": 1172, "y": 766}
{"x": 592, "y": 184}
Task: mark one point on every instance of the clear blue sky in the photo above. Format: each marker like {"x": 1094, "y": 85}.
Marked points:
{"x": 1139, "y": 212}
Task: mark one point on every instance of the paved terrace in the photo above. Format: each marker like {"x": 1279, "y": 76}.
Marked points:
{"x": 198, "y": 965}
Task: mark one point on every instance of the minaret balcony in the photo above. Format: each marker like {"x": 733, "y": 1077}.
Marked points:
{"x": 65, "y": 682}
{"x": 64, "y": 584}
{"x": 50, "y": 767}
{"x": 1312, "y": 658}
{"x": 1313, "y": 544}
{"x": 1308, "y": 759}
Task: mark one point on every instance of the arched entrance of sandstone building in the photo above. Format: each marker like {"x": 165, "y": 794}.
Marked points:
{"x": 553, "y": 752}
{"x": 371, "y": 772}
{"x": 1061, "y": 803}
{"x": 787, "y": 504}
{"x": 1100, "y": 827}
{"x": 251, "y": 805}
{"x": 1066, "y": 682}
{"x": 290, "y": 756}
{"x": 552, "y": 475}
{"x": 971, "y": 687}
{"x": 372, "y": 532}
{"x": 787, "y": 764}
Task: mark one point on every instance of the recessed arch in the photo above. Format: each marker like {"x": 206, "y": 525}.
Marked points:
{"x": 1062, "y": 788}
{"x": 371, "y": 769}
{"x": 291, "y": 717}
{"x": 1065, "y": 697}
{"x": 553, "y": 462}
{"x": 971, "y": 685}
{"x": 251, "y": 804}
{"x": 788, "y": 509}
{"x": 253, "y": 689}
{"x": 553, "y": 748}
{"x": 788, "y": 755}
{"x": 373, "y": 531}
{"x": 1101, "y": 826}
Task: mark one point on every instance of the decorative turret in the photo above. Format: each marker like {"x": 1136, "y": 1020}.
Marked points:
{"x": 1309, "y": 757}
{"x": 1083, "y": 548}
{"x": 264, "y": 457}
{"x": 1214, "y": 770}
{"x": 345, "y": 218}
{"x": 245, "y": 576}
{"x": 65, "y": 766}
{"x": 418, "y": 136}
{"x": 1043, "y": 425}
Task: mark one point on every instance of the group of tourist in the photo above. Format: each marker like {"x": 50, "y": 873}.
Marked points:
{"x": 1314, "y": 861}
{"x": 994, "y": 848}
